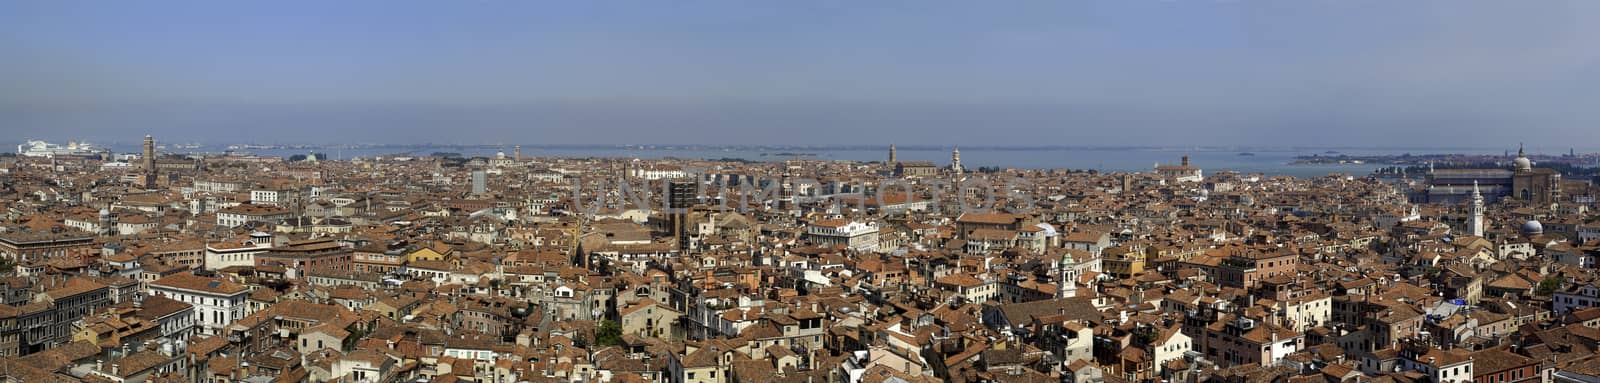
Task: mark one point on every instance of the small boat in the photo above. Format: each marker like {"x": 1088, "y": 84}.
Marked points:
{"x": 1246, "y": 154}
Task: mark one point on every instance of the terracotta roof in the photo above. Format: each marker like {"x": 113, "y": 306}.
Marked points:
{"x": 189, "y": 281}
{"x": 989, "y": 218}
{"x": 157, "y": 306}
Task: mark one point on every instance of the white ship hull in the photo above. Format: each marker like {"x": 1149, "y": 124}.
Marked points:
{"x": 45, "y": 149}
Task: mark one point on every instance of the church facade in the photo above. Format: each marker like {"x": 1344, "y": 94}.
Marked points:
{"x": 1183, "y": 172}
{"x": 1522, "y": 182}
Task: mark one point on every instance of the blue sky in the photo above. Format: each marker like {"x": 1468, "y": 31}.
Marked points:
{"x": 1334, "y": 72}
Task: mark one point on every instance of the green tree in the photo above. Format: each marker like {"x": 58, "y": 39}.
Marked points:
{"x": 1549, "y": 285}
{"x": 356, "y": 334}
{"x": 1145, "y": 335}
{"x": 581, "y": 341}
{"x": 609, "y": 333}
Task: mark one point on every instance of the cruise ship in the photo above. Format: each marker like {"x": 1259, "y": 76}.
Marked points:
{"x": 34, "y": 148}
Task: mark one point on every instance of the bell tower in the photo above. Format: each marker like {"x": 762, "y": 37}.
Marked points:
{"x": 955, "y": 160}
{"x": 149, "y": 161}
{"x": 1475, "y": 225}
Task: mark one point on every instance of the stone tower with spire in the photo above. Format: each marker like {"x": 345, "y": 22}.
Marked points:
{"x": 955, "y": 160}
{"x": 1475, "y": 225}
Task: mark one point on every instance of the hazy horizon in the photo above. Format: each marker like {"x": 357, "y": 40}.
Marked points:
{"x": 1468, "y": 74}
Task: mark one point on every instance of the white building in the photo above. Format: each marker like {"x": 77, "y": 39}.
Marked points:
{"x": 438, "y": 272}
{"x": 480, "y": 182}
{"x": 134, "y": 224}
{"x": 1170, "y": 344}
{"x": 1571, "y": 298}
{"x": 1303, "y": 313}
{"x": 175, "y": 318}
{"x": 857, "y": 236}
{"x": 238, "y": 215}
{"x": 218, "y": 186}
{"x": 92, "y": 224}
{"x": 473, "y": 351}
{"x": 1441, "y": 366}
{"x": 270, "y": 197}
{"x": 363, "y": 366}
{"x": 1388, "y": 219}
{"x": 1588, "y": 233}
{"x": 217, "y": 301}
{"x": 659, "y": 173}
{"x": 854, "y": 367}
{"x": 237, "y": 253}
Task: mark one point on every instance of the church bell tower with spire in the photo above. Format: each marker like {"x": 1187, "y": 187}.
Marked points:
{"x": 955, "y": 161}
{"x": 1475, "y": 225}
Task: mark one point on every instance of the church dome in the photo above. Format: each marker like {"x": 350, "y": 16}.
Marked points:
{"x": 1532, "y": 228}
{"x": 1523, "y": 163}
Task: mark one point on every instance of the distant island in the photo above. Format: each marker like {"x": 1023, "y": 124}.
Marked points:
{"x": 1568, "y": 164}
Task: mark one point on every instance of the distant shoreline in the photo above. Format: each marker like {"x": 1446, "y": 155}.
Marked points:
{"x": 1255, "y": 149}
{"x": 1581, "y": 159}
{"x": 1283, "y": 160}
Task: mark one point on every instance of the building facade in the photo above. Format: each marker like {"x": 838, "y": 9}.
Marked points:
{"x": 217, "y": 301}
